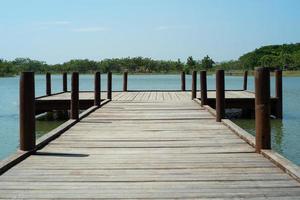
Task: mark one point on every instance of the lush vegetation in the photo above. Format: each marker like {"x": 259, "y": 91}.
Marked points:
{"x": 285, "y": 56}
{"x": 118, "y": 65}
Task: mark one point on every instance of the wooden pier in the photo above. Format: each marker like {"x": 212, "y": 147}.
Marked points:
{"x": 240, "y": 99}
{"x": 151, "y": 145}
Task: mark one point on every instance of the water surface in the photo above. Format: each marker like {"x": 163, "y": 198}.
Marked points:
{"x": 285, "y": 133}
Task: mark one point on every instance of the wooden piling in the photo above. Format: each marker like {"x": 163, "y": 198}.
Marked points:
{"x": 245, "y": 80}
{"x": 182, "y": 81}
{"x": 27, "y": 111}
{"x": 48, "y": 84}
{"x": 97, "y": 89}
{"x": 125, "y": 79}
{"x": 194, "y": 84}
{"x": 203, "y": 86}
{"x": 75, "y": 96}
{"x": 65, "y": 82}
{"x": 278, "y": 93}
{"x": 220, "y": 95}
{"x": 262, "y": 109}
{"x": 109, "y": 85}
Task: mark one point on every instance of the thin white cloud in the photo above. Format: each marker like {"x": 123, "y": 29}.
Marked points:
{"x": 91, "y": 29}
{"x": 61, "y": 22}
{"x": 51, "y": 24}
{"x": 161, "y": 28}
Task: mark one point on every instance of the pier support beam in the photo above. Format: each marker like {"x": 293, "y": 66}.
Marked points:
{"x": 194, "y": 84}
{"x": 182, "y": 81}
{"x": 278, "y": 93}
{"x": 262, "y": 109}
{"x": 65, "y": 82}
{"x": 203, "y": 86}
{"x": 75, "y": 96}
{"x": 97, "y": 89}
{"x": 48, "y": 84}
{"x": 220, "y": 95}
{"x": 109, "y": 85}
{"x": 27, "y": 111}
{"x": 125, "y": 81}
{"x": 245, "y": 80}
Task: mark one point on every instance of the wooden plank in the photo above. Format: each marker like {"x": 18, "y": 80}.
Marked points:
{"x": 166, "y": 96}
{"x": 140, "y": 185}
{"x": 157, "y": 193}
{"x": 149, "y": 145}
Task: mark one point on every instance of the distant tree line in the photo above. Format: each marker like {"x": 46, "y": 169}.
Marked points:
{"x": 117, "y": 65}
{"x": 286, "y": 56}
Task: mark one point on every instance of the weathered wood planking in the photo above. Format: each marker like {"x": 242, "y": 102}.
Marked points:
{"x": 151, "y": 96}
{"x": 233, "y": 99}
{"x": 148, "y": 145}
{"x": 61, "y": 101}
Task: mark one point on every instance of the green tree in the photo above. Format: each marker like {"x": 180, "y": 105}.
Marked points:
{"x": 6, "y": 68}
{"x": 286, "y": 60}
{"x": 207, "y": 62}
{"x": 266, "y": 61}
{"x": 191, "y": 63}
{"x": 179, "y": 65}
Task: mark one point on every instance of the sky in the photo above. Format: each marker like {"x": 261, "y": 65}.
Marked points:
{"x": 56, "y": 31}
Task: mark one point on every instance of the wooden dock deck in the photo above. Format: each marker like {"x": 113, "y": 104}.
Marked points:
{"x": 148, "y": 145}
{"x": 241, "y": 99}
{"x": 153, "y": 95}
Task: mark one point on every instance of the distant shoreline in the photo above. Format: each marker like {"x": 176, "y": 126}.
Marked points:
{"x": 294, "y": 73}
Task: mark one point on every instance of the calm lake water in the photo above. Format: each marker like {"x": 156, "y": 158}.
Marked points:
{"x": 285, "y": 133}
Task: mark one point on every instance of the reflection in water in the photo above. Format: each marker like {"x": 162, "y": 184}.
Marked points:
{"x": 43, "y": 127}
{"x": 276, "y": 131}
{"x": 277, "y": 135}
{"x": 285, "y": 133}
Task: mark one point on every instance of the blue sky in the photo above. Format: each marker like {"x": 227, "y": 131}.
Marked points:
{"x": 58, "y": 30}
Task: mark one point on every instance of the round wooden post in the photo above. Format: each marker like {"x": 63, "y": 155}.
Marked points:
{"x": 125, "y": 78}
{"x": 27, "y": 111}
{"x": 278, "y": 93}
{"x": 262, "y": 109}
{"x": 245, "y": 80}
{"x": 97, "y": 92}
{"x": 65, "y": 82}
{"x": 48, "y": 84}
{"x": 194, "y": 84}
{"x": 109, "y": 86}
{"x": 182, "y": 81}
{"x": 203, "y": 85}
{"x": 75, "y": 96}
{"x": 220, "y": 95}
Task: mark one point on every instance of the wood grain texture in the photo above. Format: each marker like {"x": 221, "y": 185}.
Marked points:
{"x": 150, "y": 96}
{"x": 148, "y": 145}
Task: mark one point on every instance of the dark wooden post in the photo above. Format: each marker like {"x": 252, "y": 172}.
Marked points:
{"x": 48, "y": 84}
{"x": 278, "y": 93}
{"x": 65, "y": 82}
{"x": 245, "y": 80}
{"x": 194, "y": 84}
{"x": 262, "y": 109}
{"x": 109, "y": 80}
{"x": 75, "y": 96}
{"x": 27, "y": 111}
{"x": 125, "y": 78}
{"x": 220, "y": 95}
{"x": 97, "y": 92}
{"x": 203, "y": 85}
{"x": 182, "y": 81}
